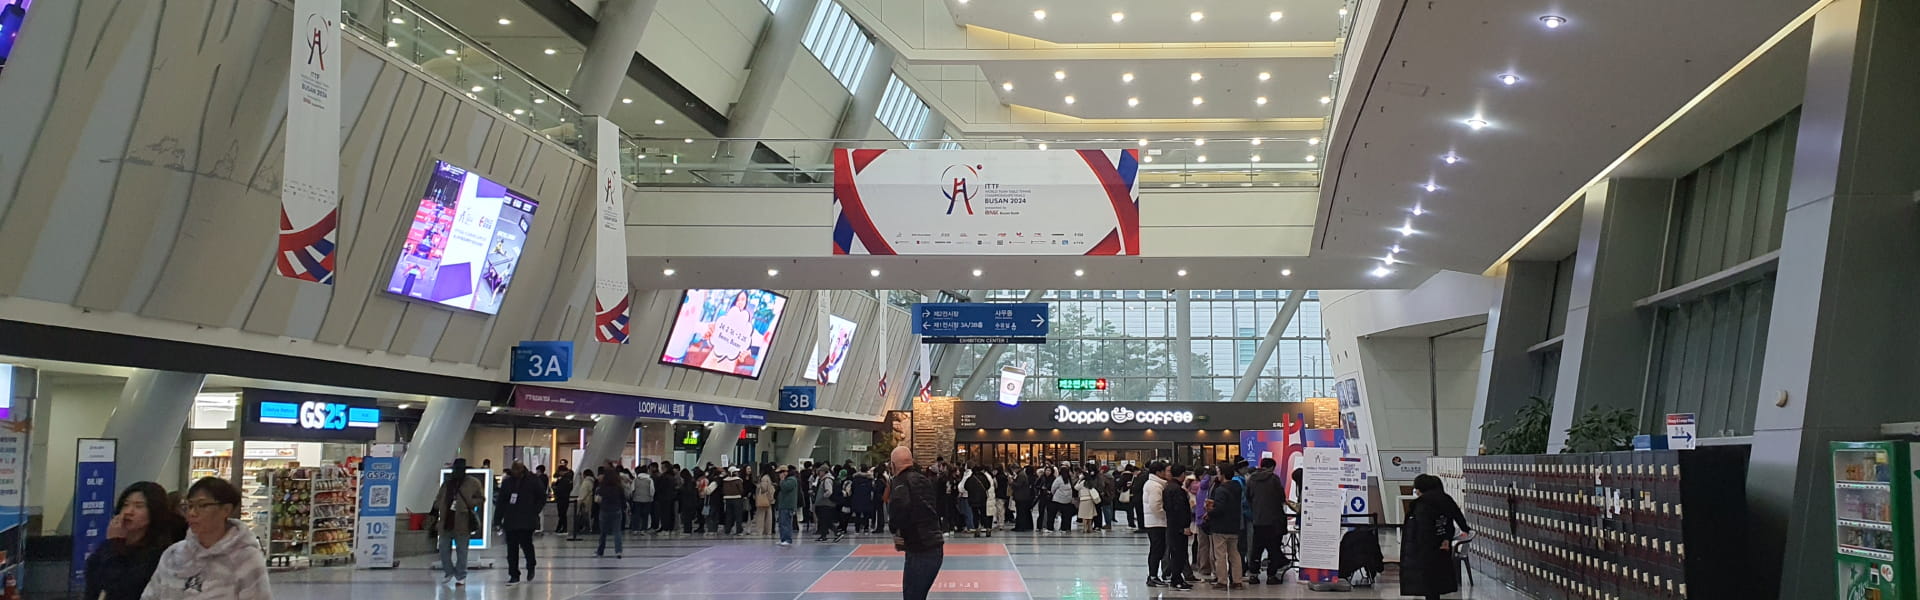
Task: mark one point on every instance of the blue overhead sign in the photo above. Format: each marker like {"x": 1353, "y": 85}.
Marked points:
{"x": 542, "y": 361}
{"x": 798, "y": 398}
{"x": 981, "y": 322}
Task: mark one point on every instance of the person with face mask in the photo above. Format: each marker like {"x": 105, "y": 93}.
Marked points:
{"x": 1427, "y": 567}
{"x": 144, "y": 524}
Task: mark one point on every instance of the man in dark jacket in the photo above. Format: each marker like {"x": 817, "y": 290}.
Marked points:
{"x": 1223, "y": 530}
{"x": 522, "y": 496}
{"x": 563, "y": 494}
{"x": 1023, "y": 499}
{"x": 666, "y": 499}
{"x": 976, "y": 505}
{"x": 1179, "y": 508}
{"x": 916, "y": 522}
{"x": 1268, "y": 495}
{"x": 1135, "y": 510}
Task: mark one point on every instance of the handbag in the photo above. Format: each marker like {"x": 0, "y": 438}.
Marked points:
{"x": 1094, "y": 495}
{"x": 1126, "y": 496}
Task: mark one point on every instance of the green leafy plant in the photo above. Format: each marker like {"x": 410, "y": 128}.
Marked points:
{"x": 1603, "y": 430}
{"x": 881, "y": 450}
{"x": 1528, "y": 432}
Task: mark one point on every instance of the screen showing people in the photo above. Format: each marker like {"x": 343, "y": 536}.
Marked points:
{"x": 841, "y": 341}
{"x": 724, "y": 331}
{"x": 466, "y": 239}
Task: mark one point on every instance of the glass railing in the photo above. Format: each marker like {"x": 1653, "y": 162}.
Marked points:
{"x": 440, "y": 51}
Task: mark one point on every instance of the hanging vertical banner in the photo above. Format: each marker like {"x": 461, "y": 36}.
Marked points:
{"x": 93, "y": 493}
{"x": 611, "y": 296}
{"x": 886, "y": 363}
{"x": 379, "y": 483}
{"x": 310, "y": 175}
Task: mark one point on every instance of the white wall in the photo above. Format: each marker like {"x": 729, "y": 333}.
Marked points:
{"x": 63, "y": 413}
{"x": 1398, "y": 376}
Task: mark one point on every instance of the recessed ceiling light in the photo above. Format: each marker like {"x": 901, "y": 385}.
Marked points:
{"x": 1274, "y": 16}
{"x": 639, "y": 157}
{"x": 493, "y": 410}
{"x": 1406, "y": 229}
{"x": 1198, "y": 100}
{"x": 1265, "y": 76}
{"x": 1254, "y": 158}
{"x": 451, "y": 51}
{"x": 669, "y": 171}
{"x": 1196, "y": 76}
{"x": 518, "y": 111}
{"x": 1059, "y": 75}
{"x": 477, "y": 88}
{"x": 405, "y": 406}
{"x": 659, "y": 121}
{"x": 1255, "y": 141}
{"x": 963, "y": 1}
{"x": 1417, "y": 211}
{"x": 399, "y": 21}
{"x": 1430, "y": 187}
{"x": 549, "y": 413}
{"x": 1313, "y": 141}
{"x": 687, "y": 140}
{"x": 393, "y": 43}
{"x": 1326, "y": 99}
{"x": 1143, "y": 142}
{"x": 1126, "y": 78}
{"x": 978, "y": 272}
{"x": 1069, "y": 99}
{"x": 550, "y": 52}
{"x": 505, "y": 21}
{"x": 1133, "y": 102}
{"x": 539, "y": 100}
{"x": 1006, "y": 86}
{"x": 1201, "y": 158}
{"x": 1343, "y": 12}
{"x": 1476, "y": 124}
{"x": 1387, "y": 260}
{"x": 1553, "y": 21}
{"x": 1382, "y": 271}
{"x": 1311, "y": 158}
{"x": 1395, "y": 249}
{"x": 1262, "y": 101}
{"x": 1450, "y": 158}
{"x": 1147, "y": 159}
{"x": 626, "y": 101}
{"x": 1509, "y": 78}
{"x": 773, "y": 272}
{"x": 1286, "y": 272}
{"x": 1079, "y": 272}
{"x": 873, "y": 272}
{"x": 1196, "y": 16}
{"x": 1119, "y": 16}
{"x": 1043, "y": 146}
{"x": 1180, "y": 273}
{"x": 1040, "y": 15}
{"x": 1199, "y": 141}
{"x": 668, "y": 271}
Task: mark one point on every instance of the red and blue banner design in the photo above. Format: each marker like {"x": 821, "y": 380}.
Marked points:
{"x": 611, "y": 295}
{"x": 307, "y": 254}
{"x": 310, "y": 171}
{"x": 610, "y": 324}
{"x": 986, "y": 202}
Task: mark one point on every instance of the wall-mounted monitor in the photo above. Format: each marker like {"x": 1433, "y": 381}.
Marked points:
{"x": 840, "y": 343}
{"x": 467, "y": 235}
{"x": 724, "y": 331}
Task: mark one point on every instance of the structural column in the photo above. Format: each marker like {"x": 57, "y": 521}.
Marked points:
{"x": 1264, "y": 352}
{"x": 1183, "y": 345}
{"x": 856, "y": 122}
{"x": 152, "y": 412}
{"x": 1840, "y": 336}
{"x": 722, "y": 438}
{"x": 443, "y": 427}
{"x": 991, "y": 358}
{"x": 1518, "y": 320}
{"x": 609, "y": 437}
{"x": 800, "y": 450}
{"x": 766, "y": 72}
{"x": 604, "y": 66}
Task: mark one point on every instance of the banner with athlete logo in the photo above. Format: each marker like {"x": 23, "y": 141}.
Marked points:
{"x": 611, "y": 296}
{"x": 974, "y": 202}
{"x": 310, "y": 173}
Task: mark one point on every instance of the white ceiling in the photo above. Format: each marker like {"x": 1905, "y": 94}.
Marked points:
{"x": 1166, "y": 89}
{"x": 1587, "y": 92}
{"x": 1156, "y": 21}
{"x": 1017, "y": 272}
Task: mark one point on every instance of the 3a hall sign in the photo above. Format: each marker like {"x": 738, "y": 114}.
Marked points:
{"x": 1125, "y": 415}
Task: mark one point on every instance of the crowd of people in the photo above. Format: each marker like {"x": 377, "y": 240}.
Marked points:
{"x": 191, "y": 546}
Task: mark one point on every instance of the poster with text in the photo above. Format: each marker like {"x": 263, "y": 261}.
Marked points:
{"x": 986, "y": 202}
{"x": 93, "y": 495}
{"x": 379, "y": 487}
{"x": 310, "y": 173}
{"x": 1321, "y": 504}
{"x": 611, "y": 296}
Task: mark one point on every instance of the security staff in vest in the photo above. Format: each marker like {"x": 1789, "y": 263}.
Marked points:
{"x": 916, "y": 524}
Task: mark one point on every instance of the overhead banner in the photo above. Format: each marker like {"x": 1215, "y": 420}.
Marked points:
{"x": 986, "y": 202}
{"x": 310, "y": 173}
{"x": 610, "y": 293}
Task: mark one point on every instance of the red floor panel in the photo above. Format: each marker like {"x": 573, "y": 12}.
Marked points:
{"x": 952, "y": 549}
{"x": 854, "y": 582}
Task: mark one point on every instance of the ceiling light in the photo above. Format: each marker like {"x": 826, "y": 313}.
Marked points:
{"x": 1006, "y": 86}
{"x": 539, "y": 100}
{"x": 1326, "y": 99}
{"x": 1313, "y": 141}
{"x": 405, "y": 406}
{"x": 1388, "y": 260}
{"x": 1147, "y": 159}
{"x": 1395, "y": 249}
{"x": 1201, "y": 158}
{"x": 1143, "y": 142}
{"x": 519, "y": 111}
{"x": 773, "y": 272}
{"x": 1476, "y": 124}
{"x": 1040, "y": 15}
{"x": 1133, "y": 102}
{"x": 1553, "y": 21}
{"x": 873, "y": 272}
{"x": 1126, "y": 78}
{"x": 1069, "y": 99}
{"x": 1417, "y": 211}
{"x": 1079, "y": 272}
{"x": 1199, "y": 141}
{"x": 626, "y": 101}
{"x": 1181, "y": 273}
{"x": 669, "y": 171}
{"x": 1343, "y": 12}
{"x": 1043, "y": 146}
{"x": 1196, "y": 16}
{"x": 659, "y": 121}
{"x": 1198, "y": 100}
{"x": 962, "y": 1}
{"x": 1254, "y": 158}
{"x": 1265, "y": 76}
{"x": 399, "y": 21}
{"x": 1119, "y": 16}
{"x": 505, "y": 21}
{"x": 478, "y": 88}
{"x": 1450, "y": 158}
{"x": 493, "y": 410}
{"x": 1262, "y": 101}
{"x": 1196, "y": 76}
{"x": 668, "y": 271}
{"x": 1509, "y": 79}
{"x": 1382, "y": 271}
{"x": 393, "y": 44}
{"x": 1430, "y": 187}
{"x": 1286, "y": 272}
{"x": 1059, "y": 75}
{"x": 687, "y": 140}
{"x": 1255, "y": 141}
{"x": 550, "y": 51}
{"x": 1311, "y": 158}
{"x": 1406, "y": 230}
{"x": 549, "y": 413}
{"x": 978, "y": 272}
{"x": 451, "y": 51}
{"x": 1274, "y": 16}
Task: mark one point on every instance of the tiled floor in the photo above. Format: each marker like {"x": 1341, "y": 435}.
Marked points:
{"x": 1007, "y": 566}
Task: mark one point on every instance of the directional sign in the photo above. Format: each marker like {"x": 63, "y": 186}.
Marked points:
{"x": 795, "y": 398}
{"x": 542, "y": 361}
{"x": 1082, "y": 385}
{"x": 1682, "y": 429}
{"x": 995, "y": 322}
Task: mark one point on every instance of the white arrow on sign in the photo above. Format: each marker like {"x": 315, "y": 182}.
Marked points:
{"x": 1039, "y": 321}
{"x": 926, "y": 313}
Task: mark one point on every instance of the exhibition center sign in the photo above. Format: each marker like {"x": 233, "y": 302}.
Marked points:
{"x": 1127, "y": 415}
{"x": 986, "y": 202}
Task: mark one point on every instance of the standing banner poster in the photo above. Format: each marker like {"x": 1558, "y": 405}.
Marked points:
{"x": 611, "y": 296}
{"x": 379, "y": 483}
{"x": 1321, "y": 505}
{"x": 93, "y": 492}
{"x": 310, "y": 175}
{"x": 986, "y": 202}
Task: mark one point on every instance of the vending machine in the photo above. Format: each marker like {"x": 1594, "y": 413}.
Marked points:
{"x": 1873, "y": 511}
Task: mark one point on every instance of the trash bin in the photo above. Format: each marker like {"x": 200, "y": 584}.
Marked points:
{"x": 416, "y": 521}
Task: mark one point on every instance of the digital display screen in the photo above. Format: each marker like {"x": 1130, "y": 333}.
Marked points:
{"x": 841, "y": 336}
{"x": 724, "y": 331}
{"x": 465, "y": 241}
{"x": 13, "y": 16}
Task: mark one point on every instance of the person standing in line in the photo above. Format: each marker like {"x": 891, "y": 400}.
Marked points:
{"x": 220, "y": 557}
{"x": 144, "y": 525}
{"x": 805, "y": 478}
{"x": 1203, "y": 561}
{"x": 562, "y": 495}
{"x": 881, "y": 483}
{"x": 1223, "y": 529}
{"x": 1103, "y": 510}
{"x": 1268, "y": 495}
{"x": 826, "y": 504}
{"x": 973, "y": 496}
{"x": 642, "y": 500}
{"x": 1427, "y": 567}
{"x": 1139, "y": 493}
{"x": 666, "y": 499}
{"x": 733, "y": 493}
{"x": 916, "y": 525}
{"x": 1086, "y": 498}
{"x": 785, "y": 501}
{"x": 860, "y": 496}
{"x": 611, "y": 497}
{"x": 523, "y": 496}
{"x": 1155, "y": 523}
{"x": 1062, "y": 496}
{"x": 1177, "y": 502}
{"x": 1023, "y": 499}
{"x": 1123, "y": 485}
{"x": 455, "y": 508}
{"x": 586, "y": 512}
{"x": 626, "y": 493}
{"x": 690, "y": 484}
{"x": 763, "y": 492}
{"x": 716, "y": 502}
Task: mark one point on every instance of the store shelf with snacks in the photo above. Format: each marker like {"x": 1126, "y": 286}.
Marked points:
{"x": 303, "y": 515}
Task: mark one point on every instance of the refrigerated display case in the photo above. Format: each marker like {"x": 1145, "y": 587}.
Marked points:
{"x": 1873, "y": 495}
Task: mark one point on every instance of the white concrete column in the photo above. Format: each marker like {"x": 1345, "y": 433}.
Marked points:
{"x": 610, "y": 435}
{"x": 152, "y": 412}
{"x": 1183, "y": 345}
{"x": 801, "y": 448}
{"x": 443, "y": 428}
{"x": 766, "y": 72}
{"x": 722, "y": 438}
{"x": 604, "y": 66}
{"x": 1264, "y": 351}
{"x": 857, "y": 120}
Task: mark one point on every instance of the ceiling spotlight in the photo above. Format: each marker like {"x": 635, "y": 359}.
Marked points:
{"x": 1450, "y": 158}
{"x": 659, "y": 121}
{"x": 687, "y": 140}
{"x": 1126, "y": 78}
{"x": 451, "y": 51}
{"x": 505, "y": 21}
{"x": 1119, "y": 16}
{"x": 1286, "y": 272}
{"x": 1079, "y": 272}
{"x": 539, "y": 100}
{"x": 978, "y": 272}
{"x": 1148, "y": 158}
{"x": 1143, "y": 142}
{"x": 1326, "y": 99}
{"x": 493, "y": 410}
{"x": 399, "y": 21}
{"x": 1254, "y": 158}
{"x": 1195, "y": 76}
{"x": 1553, "y": 21}
{"x": 477, "y": 88}
{"x": 1196, "y": 16}
{"x": 1069, "y": 99}
{"x": 1343, "y": 12}
{"x": 1199, "y": 141}
{"x": 1430, "y": 187}
{"x": 773, "y": 272}
{"x": 549, "y": 413}
{"x": 405, "y": 406}
{"x": 1388, "y": 260}
{"x": 550, "y": 52}
{"x": 1201, "y": 158}
{"x": 393, "y": 43}
{"x": 1417, "y": 211}
{"x": 1395, "y": 249}
{"x": 1059, "y": 75}
{"x": 873, "y": 272}
{"x": 668, "y": 271}
{"x": 1476, "y": 124}
{"x": 1311, "y": 158}
{"x": 962, "y": 1}
{"x": 1382, "y": 271}
{"x": 668, "y": 171}
{"x": 1181, "y": 273}
{"x": 1006, "y": 86}
{"x": 1043, "y": 145}
{"x": 1254, "y": 141}
{"x": 1039, "y": 15}
{"x": 1265, "y": 76}
{"x": 519, "y": 111}
{"x": 1274, "y": 16}
{"x": 1406, "y": 229}
{"x": 1262, "y": 101}
{"x": 1509, "y": 79}
{"x": 1133, "y": 102}
{"x": 1313, "y": 141}
{"x": 626, "y": 101}
{"x": 1198, "y": 100}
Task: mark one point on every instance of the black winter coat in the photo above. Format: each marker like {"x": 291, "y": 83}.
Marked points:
{"x": 521, "y": 499}
{"x": 122, "y": 572}
{"x": 1224, "y": 517}
{"x": 1268, "y": 494}
{"x": 914, "y": 505}
{"x": 1425, "y": 568}
{"x": 1022, "y": 488}
{"x": 977, "y": 489}
{"x": 1179, "y": 507}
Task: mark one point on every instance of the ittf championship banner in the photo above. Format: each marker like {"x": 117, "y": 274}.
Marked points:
{"x": 973, "y": 202}
{"x": 611, "y": 297}
{"x": 310, "y": 173}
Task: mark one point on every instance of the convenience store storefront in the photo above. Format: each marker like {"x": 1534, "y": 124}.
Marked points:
{"x": 1115, "y": 433}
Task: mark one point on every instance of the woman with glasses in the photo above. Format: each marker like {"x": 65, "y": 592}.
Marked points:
{"x": 219, "y": 559}
{"x": 143, "y": 526}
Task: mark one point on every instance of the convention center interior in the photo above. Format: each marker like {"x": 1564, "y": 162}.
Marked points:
{"x": 959, "y": 299}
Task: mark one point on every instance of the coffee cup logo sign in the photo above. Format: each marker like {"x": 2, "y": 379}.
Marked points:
{"x": 1120, "y": 415}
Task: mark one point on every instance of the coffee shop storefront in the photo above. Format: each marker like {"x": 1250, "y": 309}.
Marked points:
{"x": 1115, "y": 433}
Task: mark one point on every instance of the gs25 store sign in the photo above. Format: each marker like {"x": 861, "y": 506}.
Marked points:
{"x": 275, "y": 414}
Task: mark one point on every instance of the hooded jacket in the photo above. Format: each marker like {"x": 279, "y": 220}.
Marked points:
{"x": 1153, "y": 509}
{"x": 1268, "y": 495}
{"x": 235, "y": 568}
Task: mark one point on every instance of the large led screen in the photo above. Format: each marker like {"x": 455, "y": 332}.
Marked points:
{"x": 841, "y": 332}
{"x": 466, "y": 238}
{"x": 724, "y": 331}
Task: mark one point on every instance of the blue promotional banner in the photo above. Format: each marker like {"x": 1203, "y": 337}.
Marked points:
{"x": 93, "y": 494}
{"x": 542, "y": 361}
{"x": 798, "y": 398}
{"x": 536, "y": 398}
{"x": 982, "y": 322}
{"x": 379, "y": 486}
